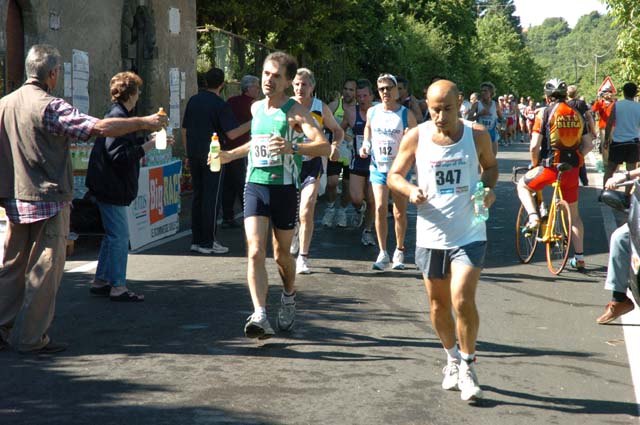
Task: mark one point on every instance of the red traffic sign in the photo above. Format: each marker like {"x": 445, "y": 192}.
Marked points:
{"x": 607, "y": 84}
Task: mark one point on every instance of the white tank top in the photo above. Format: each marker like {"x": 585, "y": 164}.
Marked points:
{"x": 387, "y": 129}
{"x": 449, "y": 174}
{"x": 490, "y": 120}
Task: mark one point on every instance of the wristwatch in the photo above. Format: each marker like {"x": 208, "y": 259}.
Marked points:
{"x": 627, "y": 175}
{"x": 294, "y": 146}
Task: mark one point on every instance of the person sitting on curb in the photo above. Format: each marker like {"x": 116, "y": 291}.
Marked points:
{"x": 619, "y": 261}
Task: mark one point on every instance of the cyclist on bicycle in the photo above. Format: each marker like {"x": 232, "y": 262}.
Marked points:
{"x": 559, "y": 135}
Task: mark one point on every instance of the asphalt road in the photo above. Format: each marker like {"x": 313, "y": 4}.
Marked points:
{"x": 363, "y": 350}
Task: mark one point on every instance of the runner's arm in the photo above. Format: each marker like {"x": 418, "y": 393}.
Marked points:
{"x": 488, "y": 162}
{"x": 317, "y": 145}
{"x": 405, "y": 159}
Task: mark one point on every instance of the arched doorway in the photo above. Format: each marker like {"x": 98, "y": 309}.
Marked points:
{"x": 13, "y": 61}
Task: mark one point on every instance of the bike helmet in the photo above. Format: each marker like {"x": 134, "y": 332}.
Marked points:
{"x": 555, "y": 88}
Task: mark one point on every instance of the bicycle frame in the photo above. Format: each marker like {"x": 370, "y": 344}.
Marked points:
{"x": 547, "y": 234}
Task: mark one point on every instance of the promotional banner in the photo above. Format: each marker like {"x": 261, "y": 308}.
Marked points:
{"x": 153, "y": 214}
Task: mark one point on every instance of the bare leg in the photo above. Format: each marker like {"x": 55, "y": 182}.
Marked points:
{"x": 308, "y": 200}
{"x": 381, "y": 197}
{"x": 257, "y": 230}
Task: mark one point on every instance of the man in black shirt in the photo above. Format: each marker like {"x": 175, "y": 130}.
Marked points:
{"x": 207, "y": 113}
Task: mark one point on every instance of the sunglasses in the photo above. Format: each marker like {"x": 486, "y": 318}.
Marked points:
{"x": 386, "y": 88}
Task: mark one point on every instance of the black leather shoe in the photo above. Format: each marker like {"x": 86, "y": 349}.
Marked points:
{"x": 3, "y": 344}
{"x": 50, "y": 348}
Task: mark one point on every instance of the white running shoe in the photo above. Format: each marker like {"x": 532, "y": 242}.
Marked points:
{"x": 215, "y": 249}
{"x": 286, "y": 315}
{"x": 468, "y": 382}
{"x": 258, "y": 328}
{"x": 358, "y": 219}
{"x": 218, "y": 248}
{"x": 367, "y": 238}
{"x": 341, "y": 217}
{"x": 398, "y": 260}
{"x": 382, "y": 262}
{"x": 450, "y": 372}
{"x": 329, "y": 216}
{"x": 295, "y": 242}
{"x": 302, "y": 265}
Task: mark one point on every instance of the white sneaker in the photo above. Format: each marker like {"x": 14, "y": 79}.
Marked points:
{"x": 382, "y": 262}
{"x": 450, "y": 372}
{"x": 295, "y": 242}
{"x": 286, "y": 315}
{"x": 194, "y": 247}
{"x": 398, "y": 260}
{"x": 468, "y": 382}
{"x": 258, "y": 328}
{"x": 302, "y": 265}
{"x": 367, "y": 238}
{"x": 329, "y": 216}
{"x": 216, "y": 248}
{"x": 358, "y": 219}
{"x": 341, "y": 217}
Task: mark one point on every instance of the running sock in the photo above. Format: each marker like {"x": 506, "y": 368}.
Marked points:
{"x": 534, "y": 217}
{"x": 330, "y": 205}
{"x": 579, "y": 256}
{"x": 288, "y": 298}
{"x": 468, "y": 358}
{"x": 260, "y": 313}
{"x": 618, "y": 296}
{"x": 453, "y": 354}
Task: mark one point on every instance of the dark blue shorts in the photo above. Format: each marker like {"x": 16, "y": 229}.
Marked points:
{"x": 278, "y": 202}
{"x": 311, "y": 171}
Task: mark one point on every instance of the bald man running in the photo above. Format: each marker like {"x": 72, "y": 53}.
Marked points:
{"x": 450, "y": 243}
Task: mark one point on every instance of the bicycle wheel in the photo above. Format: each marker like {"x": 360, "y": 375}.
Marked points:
{"x": 559, "y": 241}
{"x": 526, "y": 241}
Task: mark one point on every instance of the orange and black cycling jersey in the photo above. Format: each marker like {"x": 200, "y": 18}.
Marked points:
{"x": 561, "y": 128}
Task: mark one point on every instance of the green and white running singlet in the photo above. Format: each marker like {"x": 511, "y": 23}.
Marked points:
{"x": 265, "y": 168}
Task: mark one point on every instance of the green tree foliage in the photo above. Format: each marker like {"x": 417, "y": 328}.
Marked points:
{"x": 626, "y": 13}
{"x": 503, "y": 58}
{"x": 571, "y": 54}
{"x": 415, "y": 38}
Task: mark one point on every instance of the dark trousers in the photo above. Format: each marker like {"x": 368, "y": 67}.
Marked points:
{"x": 207, "y": 188}
{"x": 234, "y": 177}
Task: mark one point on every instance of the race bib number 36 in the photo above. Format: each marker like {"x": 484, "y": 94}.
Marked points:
{"x": 260, "y": 155}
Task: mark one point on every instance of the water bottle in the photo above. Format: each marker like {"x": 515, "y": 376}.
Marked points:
{"x": 214, "y": 150}
{"x": 482, "y": 212}
{"x": 161, "y": 136}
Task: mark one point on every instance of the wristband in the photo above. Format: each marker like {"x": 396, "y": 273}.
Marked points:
{"x": 366, "y": 144}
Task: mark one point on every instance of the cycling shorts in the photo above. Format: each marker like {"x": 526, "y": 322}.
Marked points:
{"x": 540, "y": 177}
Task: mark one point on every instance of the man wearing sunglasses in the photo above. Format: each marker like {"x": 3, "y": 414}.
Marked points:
{"x": 386, "y": 124}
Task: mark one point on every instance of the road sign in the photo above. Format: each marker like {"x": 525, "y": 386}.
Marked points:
{"x": 607, "y": 84}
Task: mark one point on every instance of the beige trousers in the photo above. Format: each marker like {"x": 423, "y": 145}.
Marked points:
{"x": 34, "y": 256}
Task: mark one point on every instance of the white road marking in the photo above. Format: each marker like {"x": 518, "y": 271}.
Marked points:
{"x": 84, "y": 268}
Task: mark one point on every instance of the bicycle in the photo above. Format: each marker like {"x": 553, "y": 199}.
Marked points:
{"x": 555, "y": 226}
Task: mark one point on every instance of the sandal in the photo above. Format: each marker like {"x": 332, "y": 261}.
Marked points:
{"x": 127, "y": 296}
